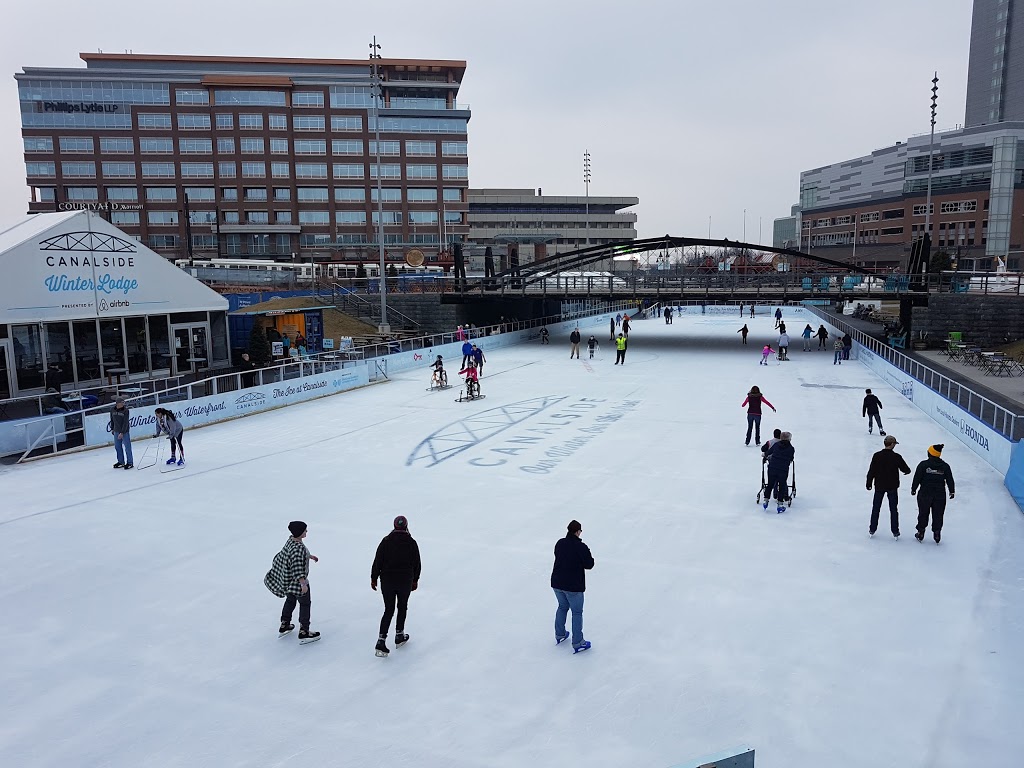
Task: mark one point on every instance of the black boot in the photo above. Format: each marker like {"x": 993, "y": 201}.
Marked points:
{"x": 381, "y": 649}
{"x": 401, "y": 638}
{"x": 285, "y": 628}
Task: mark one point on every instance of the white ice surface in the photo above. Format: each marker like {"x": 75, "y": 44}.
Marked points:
{"x": 139, "y": 633}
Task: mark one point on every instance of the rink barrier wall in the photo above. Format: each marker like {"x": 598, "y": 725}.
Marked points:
{"x": 230, "y": 405}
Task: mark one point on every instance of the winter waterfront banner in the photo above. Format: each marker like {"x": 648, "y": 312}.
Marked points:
{"x": 229, "y": 405}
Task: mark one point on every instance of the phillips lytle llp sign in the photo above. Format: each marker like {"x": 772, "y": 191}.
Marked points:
{"x": 79, "y": 106}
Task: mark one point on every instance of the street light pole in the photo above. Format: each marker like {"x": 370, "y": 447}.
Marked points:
{"x": 378, "y": 97}
{"x": 586, "y": 184}
{"x": 931, "y": 161}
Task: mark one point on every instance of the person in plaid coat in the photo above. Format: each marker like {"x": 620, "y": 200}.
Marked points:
{"x": 289, "y": 578}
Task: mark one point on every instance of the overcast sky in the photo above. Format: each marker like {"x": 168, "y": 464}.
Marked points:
{"x": 699, "y": 109}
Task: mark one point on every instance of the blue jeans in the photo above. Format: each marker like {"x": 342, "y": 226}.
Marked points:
{"x": 123, "y": 446}
{"x": 838, "y": 358}
{"x": 569, "y": 601}
{"x": 754, "y": 420}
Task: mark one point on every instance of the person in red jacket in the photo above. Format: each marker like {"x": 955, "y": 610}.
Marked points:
{"x": 753, "y": 406}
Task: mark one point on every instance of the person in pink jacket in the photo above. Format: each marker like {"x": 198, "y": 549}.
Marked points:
{"x": 753, "y": 405}
{"x": 764, "y": 354}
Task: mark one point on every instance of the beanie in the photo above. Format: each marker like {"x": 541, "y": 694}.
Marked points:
{"x": 297, "y": 528}
{"x": 787, "y": 436}
{"x": 574, "y": 527}
{"x": 936, "y": 450}
{"x": 401, "y": 524}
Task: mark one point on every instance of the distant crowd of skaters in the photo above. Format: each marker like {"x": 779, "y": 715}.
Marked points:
{"x": 841, "y": 346}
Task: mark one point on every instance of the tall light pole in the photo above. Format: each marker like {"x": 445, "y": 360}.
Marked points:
{"x": 586, "y": 184}
{"x": 931, "y": 145}
{"x": 378, "y": 97}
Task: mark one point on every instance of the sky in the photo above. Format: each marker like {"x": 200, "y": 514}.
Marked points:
{"x": 141, "y": 634}
{"x": 702, "y": 110}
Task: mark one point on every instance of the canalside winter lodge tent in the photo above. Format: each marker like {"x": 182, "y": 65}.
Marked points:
{"x": 80, "y": 295}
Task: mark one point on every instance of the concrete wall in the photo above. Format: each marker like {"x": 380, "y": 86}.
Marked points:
{"x": 987, "y": 320}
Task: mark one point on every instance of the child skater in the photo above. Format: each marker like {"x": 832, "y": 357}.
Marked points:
{"x": 744, "y": 330}
{"x": 440, "y": 378}
{"x": 838, "y": 348}
{"x": 167, "y": 423}
{"x": 592, "y": 345}
{"x": 764, "y": 354}
{"x": 472, "y": 379}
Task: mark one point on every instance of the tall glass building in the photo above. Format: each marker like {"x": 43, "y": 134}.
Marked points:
{"x": 270, "y": 158}
{"x": 995, "y": 73}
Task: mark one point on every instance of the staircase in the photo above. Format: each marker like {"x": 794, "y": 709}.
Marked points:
{"x": 355, "y": 305}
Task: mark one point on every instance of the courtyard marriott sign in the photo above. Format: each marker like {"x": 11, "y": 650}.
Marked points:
{"x": 99, "y": 206}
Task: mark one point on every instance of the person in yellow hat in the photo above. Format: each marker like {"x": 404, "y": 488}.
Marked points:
{"x": 933, "y": 477}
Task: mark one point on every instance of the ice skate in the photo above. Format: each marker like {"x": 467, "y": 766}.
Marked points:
{"x": 129, "y": 465}
{"x": 305, "y": 636}
{"x": 285, "y": 629}
{"x": 562, "y": 639}
{"x": 764, "y": 505}
{"x": 119, "y": 465}
{"x": 172, "y": 460}
{"x": 919, "y": 536}
{"x": 584, "y": 646}
{"x": 181, "y": 462}
{"x": 881, "y": 432}
{"x": 896, "y": 536}
{"x": 381, "y": 649}
{"x": 871, "y": 534}
{"x": 401, "y": 638}
{"x": 937, "y": 537}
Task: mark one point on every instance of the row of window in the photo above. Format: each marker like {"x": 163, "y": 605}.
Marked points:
{"x": 313, "y": 218}
{"x": 249, "y": 170}
{"x": 251, "y": 194}
{"x": 247, "y": 146}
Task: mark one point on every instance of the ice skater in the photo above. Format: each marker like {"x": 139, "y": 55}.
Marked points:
{"x": 625, "y": 324}
{"x": 288, "y": 577}
{"x": 438, "y": 378}
{"x": 397, "y": 565}
{"x": 479, "y": 359}
{"x": 933, "y": 477}
{"x": 467, "y": 352}
{"x": 837, "y": 347}
{"x": 784, "y": 346}
{"x": 167, "y": 423}
{"x": 779, "y": 458}
{"x": 753, "y": 403}
{"x": 765, "y": 353}
{"x": 776, "y": 436}
{"x": 806, "y": 336}
{"x": 592, "y": 345}
{"x": 744, "y": 330}
{"x": 544, "y": 336}
{"x": 778, "y": 316}
{"x": 884, "y": 472}
{"x": 120, "y": 428}
{"x": 472, "y": 380}
{"x": 569, "y": 582}
{"x": 574, "y": 340}
{"x": 751, "y": 310}
{"x": 611, "y": 329}
{"x": 620, "y": 349}
{"x": 822, "y": 335}
{"x": 870, "y": 408}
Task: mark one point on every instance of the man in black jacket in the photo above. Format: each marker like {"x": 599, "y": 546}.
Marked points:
{"x": 397, "y": 565}
{"x": 779, "y": 457}
{"x": 120, "y": 428}
{"x": 933, "y": 476}
{"x": 569, "y": 581}
{"x": 870, "y": 408}
{"x": 884, "y": 472}
{"x": 574, "y": 339}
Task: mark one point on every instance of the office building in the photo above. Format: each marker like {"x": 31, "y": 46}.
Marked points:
{"x": 995, "y": 72}
{"x": 271, "y": 157}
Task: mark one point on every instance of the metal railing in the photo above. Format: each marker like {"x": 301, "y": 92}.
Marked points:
{"x": 1008, "y": 423}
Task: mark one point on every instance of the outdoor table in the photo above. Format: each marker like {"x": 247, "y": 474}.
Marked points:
{"x": 130, "y": 391}
{"x": 115, "y": 372}
{"x": 74, "y": 399}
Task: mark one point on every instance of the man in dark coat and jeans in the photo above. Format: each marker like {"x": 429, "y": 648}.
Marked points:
{"x": 884, "y": 472}
{"x": 933, "y": 476}
{"x": 779, "y": 457}
{"x": 569, "y": 581}
{"x": 397, "y": 565}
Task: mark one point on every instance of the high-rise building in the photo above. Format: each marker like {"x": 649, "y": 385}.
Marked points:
{"x": 270, "y": 157}
{"x": 995, "y": 74}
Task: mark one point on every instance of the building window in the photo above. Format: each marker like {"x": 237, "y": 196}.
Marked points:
{"x": 350, "y": 96}
{"x": 959, "y": 206}
{"x": 162, "y": 218}
{"x": 278, "y": 122}
{"x": 76, "y": 145}
{"x": 39, "y": 144}
{"x": 254, "y": 170}
{"x": 387, "y": 194}
{"x": 421, "y": 171}
{"x": 307, "y": 99}
{"x": 231, "y": 217}
{"x": 420, "y": 148}
{"x": 843, "y": 220}
{"x": 156, "y": 146}
{"x": 308, "y": 122}
{"x": 257, "y": 217}
{"x": 122, "y": 194}
{"x": 229, "y": 194}
{"x": 893, "y": 231}
{"x": 252, "y": 146}
{"x": 347, "y": 147}
{"x": 454, "y": 148}
{"x": 191, "y": 96}
{"x": 455, "y": 171}
{"x": 195, "y": 146}
{"x": 310, "y": 147}
{"x": 204, "y": 242}
{"x": 423, "y": 217}
{"x": 78, "y": 170}
{"x": 225, "y": 121}
{"x": 255, "y": 194}
{"x": 283, "y": 170}
{"x": 250, "y": 122}
{"x": 200, "y": 194}
{"x": 279, "y": 146}
{"x": 226, "y": 170}
{"x": 225, "y": 146}
{"x": 384, "y": 171}
{"x": 389, "y": 218}
{"x": 117, "y": 146}
{"x": 81, "y": 194}
{"x": 387, "y": 148}
{"x": 311, "y": 194}
{"x": 919, "y": 210}
{"x": 310, "y": 170}
{"x": 161, "y": 194}
{"x": 118, "y": 170}
{"x": 153, "y": 121}
{"x": 867, "y": 217}
{"x": 455, "y": 217}
{"x": 893, "y": 213}
{"x": 282, "y": 217}
{"x": 420, "y": 125}
{"x": 428, "y": 195}
{"x": 314, "y": 217}
{"x": 249, "y": 97}
{"x": 40, "y": 169}
{"x": 343, "y": 123}
{"x": 197, "y": 170}
{"x": 163, "y": 241}
{"x": 351, "y": 218}
{"x": 124, "y": 218}
{"x": 190, "y": 122}
{"x": 349, "y": 195}
{"x": 282, "y": 194}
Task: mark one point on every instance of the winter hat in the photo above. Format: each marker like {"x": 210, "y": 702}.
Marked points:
{"x": 890, "y": 441}
{"x": 297, "y": 528}
{"x": 867, "y": 391}
{"x": 401, "y": 524}
{"x": 787, "y": 436}
{"x": 119, "y": 401}
{"x": 936, "y": 450}
{"x": 574, "y": 527}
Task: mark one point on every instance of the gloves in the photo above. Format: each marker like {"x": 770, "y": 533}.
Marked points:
{"x": 913, "y": 493}
{"x": 415, "y": 584}
{"x": 373, "y": 584}
{"x": 869, "y": 486}
{"x": 952, "y": 494}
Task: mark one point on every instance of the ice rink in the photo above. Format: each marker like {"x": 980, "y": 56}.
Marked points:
{"x": 139, "y": 632}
